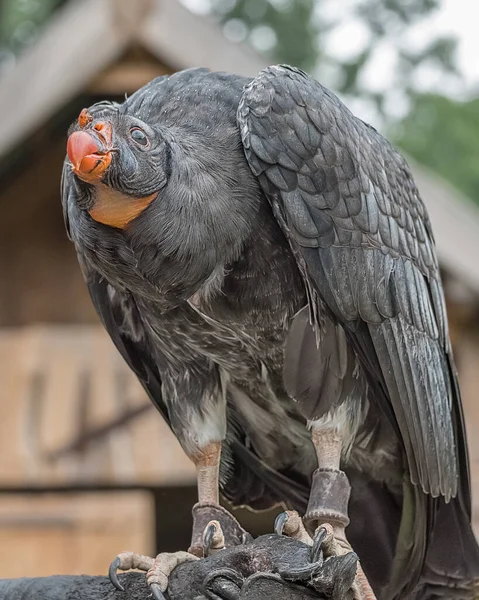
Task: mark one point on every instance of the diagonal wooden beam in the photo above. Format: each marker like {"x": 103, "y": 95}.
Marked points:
{"x": 81, "y": 39}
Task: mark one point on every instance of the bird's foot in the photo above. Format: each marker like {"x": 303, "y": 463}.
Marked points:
{"x": 289, "y": 523}
{"x": 339, "y": 546}
{"x": 157, "y": 569}
{"x": 160, "y": 568}
{"x": 214, "y": 528}
{"x": 333, "y": 567}
{"x": 328, "y": 503}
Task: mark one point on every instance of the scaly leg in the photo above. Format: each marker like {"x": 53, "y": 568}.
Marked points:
{"x": 213, "y": 529}
{"x": 208, "y": 515}
{"x": 207, "y": 463}
{"x": 327, "y": 507}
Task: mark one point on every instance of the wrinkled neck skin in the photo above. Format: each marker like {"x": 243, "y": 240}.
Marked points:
{"x": 183, "y": 243}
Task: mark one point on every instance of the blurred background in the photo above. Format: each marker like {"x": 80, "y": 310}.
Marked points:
{"x": 87, "y": 467}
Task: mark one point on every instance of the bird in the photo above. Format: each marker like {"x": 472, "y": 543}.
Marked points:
{"x": 264, "y": 263}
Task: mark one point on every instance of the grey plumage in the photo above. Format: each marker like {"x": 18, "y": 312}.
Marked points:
{"x": 286, "y": 272}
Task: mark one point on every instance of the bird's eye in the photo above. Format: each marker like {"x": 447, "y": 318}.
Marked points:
{"x": 139, "y": 136}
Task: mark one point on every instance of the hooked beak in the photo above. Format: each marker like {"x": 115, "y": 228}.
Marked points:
{"x": 90, "y": 151}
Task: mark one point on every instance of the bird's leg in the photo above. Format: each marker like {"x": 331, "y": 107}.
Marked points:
{"x": 327, "y": 512}
{"x": 207, "y": 463}
{"x": 214, "y": 528}
{"x": 328, "y": 502}
{"x": 208, "y": 533}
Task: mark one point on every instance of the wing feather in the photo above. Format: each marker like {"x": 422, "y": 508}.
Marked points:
{"x": 350, "y": 209}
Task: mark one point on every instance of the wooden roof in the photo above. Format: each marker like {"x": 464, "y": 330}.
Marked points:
{"x": 87, "y": 35}
{"x": 73, "y": 415}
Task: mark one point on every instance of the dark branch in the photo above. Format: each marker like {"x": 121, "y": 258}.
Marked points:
{"x": 263, "y": 569}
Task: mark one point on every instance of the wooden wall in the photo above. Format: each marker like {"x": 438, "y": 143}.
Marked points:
{"x": 39, "y": 274}
{"x": 467, "y": 351}
{"x": 72, "y": 534}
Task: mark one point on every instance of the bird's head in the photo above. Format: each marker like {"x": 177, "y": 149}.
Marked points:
{"x": 121, "y": 161}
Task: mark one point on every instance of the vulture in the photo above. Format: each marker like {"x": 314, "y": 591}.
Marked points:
{"x": 264, "y": 263}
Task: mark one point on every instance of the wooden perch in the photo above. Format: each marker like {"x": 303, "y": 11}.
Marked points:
{"x": 269, "y": 567}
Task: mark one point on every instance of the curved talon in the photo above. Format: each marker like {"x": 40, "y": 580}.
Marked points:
{"x": 113, "y": 575}
{"x": 316, "y": 553}
{"x": 208, "y": 537}
{"x": 280, "y": 522}
{"x": 213, "y": 538}
{"x": 156, "y": 592}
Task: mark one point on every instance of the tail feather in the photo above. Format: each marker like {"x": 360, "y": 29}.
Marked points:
{"x": 412, "y": 546}
{"x": 451, "y": 568}
{"x": 375, "y": 516}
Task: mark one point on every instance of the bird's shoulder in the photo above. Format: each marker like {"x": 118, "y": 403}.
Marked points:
{"x": 342, "y": 182}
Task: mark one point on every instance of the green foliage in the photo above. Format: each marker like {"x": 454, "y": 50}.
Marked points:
{"x": 390, "y": 20}
{"x": 290, "y": 23}
{"x": 443, "y": 134}
{"x": 300, "y": 34}
{"x": 382, "y": 15}
{"x": 20, "y": 19}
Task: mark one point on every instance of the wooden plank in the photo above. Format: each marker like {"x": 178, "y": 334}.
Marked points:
{"x": 60, "y": 385}
{"x": 66, "y": 360}
{"x": 104, "y": 408}
{"x": 11, "y": 459}
{"x": 21, "y": 356}
{"x": 74, "y": 534}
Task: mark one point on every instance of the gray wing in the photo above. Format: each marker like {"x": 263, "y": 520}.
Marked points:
{"x": 350, "y": 210}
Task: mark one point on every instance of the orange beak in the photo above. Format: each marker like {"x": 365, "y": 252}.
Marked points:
{"x": 87, "y": 153}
